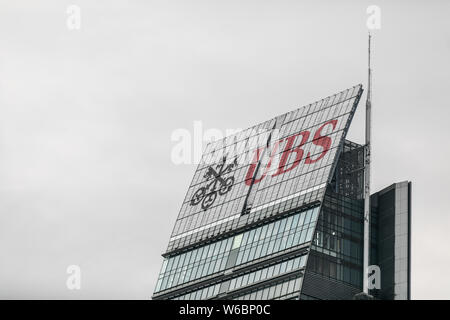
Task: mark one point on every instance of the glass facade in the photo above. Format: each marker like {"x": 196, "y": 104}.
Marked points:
{"x": 262, "y": 171}
{"x": 287, "y": 289}
{"x": 288, "y": 223}
{"x": 237, "y": 250}
{"x": 336, "y": 257}
{"x": 337, "y": 250}
{"x": 249, "y": 279}
{"x": 391, "y": 243}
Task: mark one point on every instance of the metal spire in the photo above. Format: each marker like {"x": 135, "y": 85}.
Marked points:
{"x": 367, "y": 161}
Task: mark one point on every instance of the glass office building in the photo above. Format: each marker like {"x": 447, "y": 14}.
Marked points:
{"x": 276, "y": 212}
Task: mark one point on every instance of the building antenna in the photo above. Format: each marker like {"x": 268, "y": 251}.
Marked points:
{"x": 367, "y": 162}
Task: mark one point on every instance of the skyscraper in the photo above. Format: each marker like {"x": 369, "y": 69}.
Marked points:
{"x": 276, "y": 212}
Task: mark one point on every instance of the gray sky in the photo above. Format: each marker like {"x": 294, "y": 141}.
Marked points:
{"x": 86, "y": 116}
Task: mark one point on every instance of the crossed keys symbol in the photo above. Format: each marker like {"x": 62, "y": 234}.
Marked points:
{"x": 217, "y": 185}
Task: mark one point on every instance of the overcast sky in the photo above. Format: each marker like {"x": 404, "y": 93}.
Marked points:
{"x": 86, "y": 118}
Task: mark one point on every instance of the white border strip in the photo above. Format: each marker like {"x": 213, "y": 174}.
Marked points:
{"x": 251, "y": 211}
{"x": 205, "y": 227}
{"x": 288, "y": 197}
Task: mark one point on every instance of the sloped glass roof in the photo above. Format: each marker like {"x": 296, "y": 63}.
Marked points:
{"x": 281, "y": 164}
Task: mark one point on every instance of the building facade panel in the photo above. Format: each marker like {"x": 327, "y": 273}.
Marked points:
{"x": 278, "y": 164}
{"x": 288, "y": 223}
{"x": 240, "y": 250}
{"x": 392, "y": 209}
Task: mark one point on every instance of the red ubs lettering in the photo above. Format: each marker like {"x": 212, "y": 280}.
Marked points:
{"x": 322, "y": 141}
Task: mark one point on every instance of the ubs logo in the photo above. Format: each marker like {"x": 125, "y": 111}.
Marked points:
{"x": 217, "y": 184}
{"x": 284, "y": 166}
